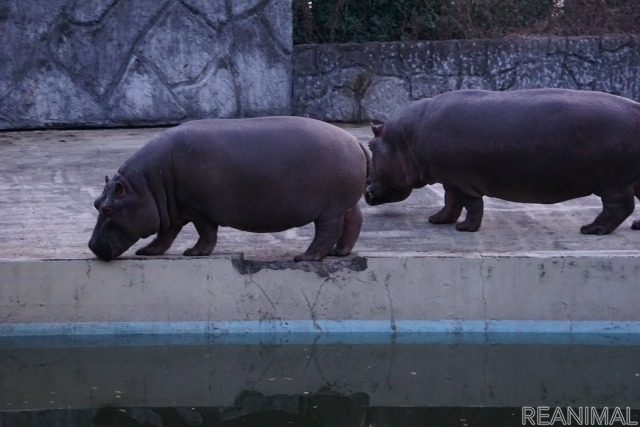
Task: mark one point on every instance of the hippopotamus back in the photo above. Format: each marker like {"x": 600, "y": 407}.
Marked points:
{"x": 534, "y": 146}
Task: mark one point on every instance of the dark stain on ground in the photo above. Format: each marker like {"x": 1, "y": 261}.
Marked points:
{"x": 321, "y": 268}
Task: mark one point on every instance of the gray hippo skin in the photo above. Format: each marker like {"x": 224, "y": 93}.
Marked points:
{"x": 532, "y": 146}
{"x": 261, "y": 175}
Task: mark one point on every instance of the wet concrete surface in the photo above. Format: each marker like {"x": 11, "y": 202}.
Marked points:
{"x": 49, "y": 180}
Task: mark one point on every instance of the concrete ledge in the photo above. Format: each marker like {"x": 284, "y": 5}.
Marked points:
{"x": 524, "y": 292}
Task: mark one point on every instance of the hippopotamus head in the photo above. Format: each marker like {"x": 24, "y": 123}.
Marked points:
{"x": 126, "y": 213}
{"x": 387, "y": 181}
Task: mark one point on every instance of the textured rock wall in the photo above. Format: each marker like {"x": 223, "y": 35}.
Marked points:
{"x": 119, "y": 62}
{"x": 362, "y": 82}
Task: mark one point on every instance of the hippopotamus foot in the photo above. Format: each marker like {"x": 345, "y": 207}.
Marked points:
{"x": 350, "y": 232}
{"x": 636, "y": 223}
{"x": 444, "y": 216}
{"x": 475, "y": 210}
{"x": 208, "y": 232}
{"x": 616, "y": 207}
{"x": 467, "y": 226}
{"x": 328, "y": 232}
{"x": 203, "y": 247}
{"x": 454, "y": 201}
{"x": 451, "y": 211}
{"x": 162, "y": 242}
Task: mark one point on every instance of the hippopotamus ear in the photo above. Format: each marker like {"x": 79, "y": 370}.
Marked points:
{"x": 377, "y": 129}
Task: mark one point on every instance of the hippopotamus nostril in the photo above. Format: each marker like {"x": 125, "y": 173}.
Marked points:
{"x": 370, "y": 198}
{"x": 107, "y": 211}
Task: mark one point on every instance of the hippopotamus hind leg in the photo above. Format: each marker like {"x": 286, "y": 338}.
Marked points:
{"x": 350, "y": 232}
{"x": 616, "y": 207}
{"x": 328, "y": 231}
{"x": 208, "y": 235}
{"x": 636, "y": 191}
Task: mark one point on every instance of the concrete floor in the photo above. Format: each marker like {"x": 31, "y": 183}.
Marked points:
{"x": 49, "y": 180}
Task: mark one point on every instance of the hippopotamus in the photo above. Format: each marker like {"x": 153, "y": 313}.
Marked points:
{"x": 532, "y": 146}
{"x": 260, "y": 175}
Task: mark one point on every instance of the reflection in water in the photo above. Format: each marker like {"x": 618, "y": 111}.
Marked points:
{"x": 251, "y": 409}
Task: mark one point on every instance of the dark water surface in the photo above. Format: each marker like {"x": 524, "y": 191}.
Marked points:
{"x": 349, "y": 380}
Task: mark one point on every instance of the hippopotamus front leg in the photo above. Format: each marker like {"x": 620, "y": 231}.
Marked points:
{"x": 162, "y": 242}
{"x": 454, "y": 201}
{"x": 352, "y": 222}
{"x": 475, "y": 210}
{"x": 616, "y": 207}
{"x": 208, "y": 235}
{"x": 636, "y": 191}
{"x": 451, "y": 211}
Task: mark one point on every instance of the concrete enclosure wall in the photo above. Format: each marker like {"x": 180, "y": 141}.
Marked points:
{"x": 120, "y": 62}
{"x": 144, "y": 62}
{"x": 370, "y": 81}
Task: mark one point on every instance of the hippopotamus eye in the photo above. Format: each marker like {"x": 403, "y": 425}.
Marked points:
{"x": 119, "y": 190}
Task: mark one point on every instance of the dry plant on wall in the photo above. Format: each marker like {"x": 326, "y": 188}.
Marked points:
{"x": 592, "y": 17}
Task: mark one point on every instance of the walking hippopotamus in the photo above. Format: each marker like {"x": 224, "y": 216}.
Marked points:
{"x": 261, "y": 175}
{"x": 532, "y": 146}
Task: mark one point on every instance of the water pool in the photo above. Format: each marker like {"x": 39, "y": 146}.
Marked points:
{"x": 315, "y": 380}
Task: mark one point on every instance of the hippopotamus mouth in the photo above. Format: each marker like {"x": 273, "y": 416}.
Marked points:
{"x": 103, "y": 250}
{"x": 378, "y": 194}
{"x": 108, "y": 244}
{"x": 370, "y": 197}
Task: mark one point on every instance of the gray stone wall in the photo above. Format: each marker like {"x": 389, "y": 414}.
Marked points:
{"x": 121, "y": 62}
{"x": 149, "y": 62}
{"x": 370, "y": 81}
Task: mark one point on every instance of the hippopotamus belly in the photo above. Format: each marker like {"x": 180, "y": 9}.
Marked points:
{"x": 254, "y": 194}
{"x": 259, "y": 175}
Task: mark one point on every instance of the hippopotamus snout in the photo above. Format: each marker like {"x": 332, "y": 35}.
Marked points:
{"x": 109, "y": 241}
{"x": 102, "y": 249}
{"x": 378, "y": 194}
